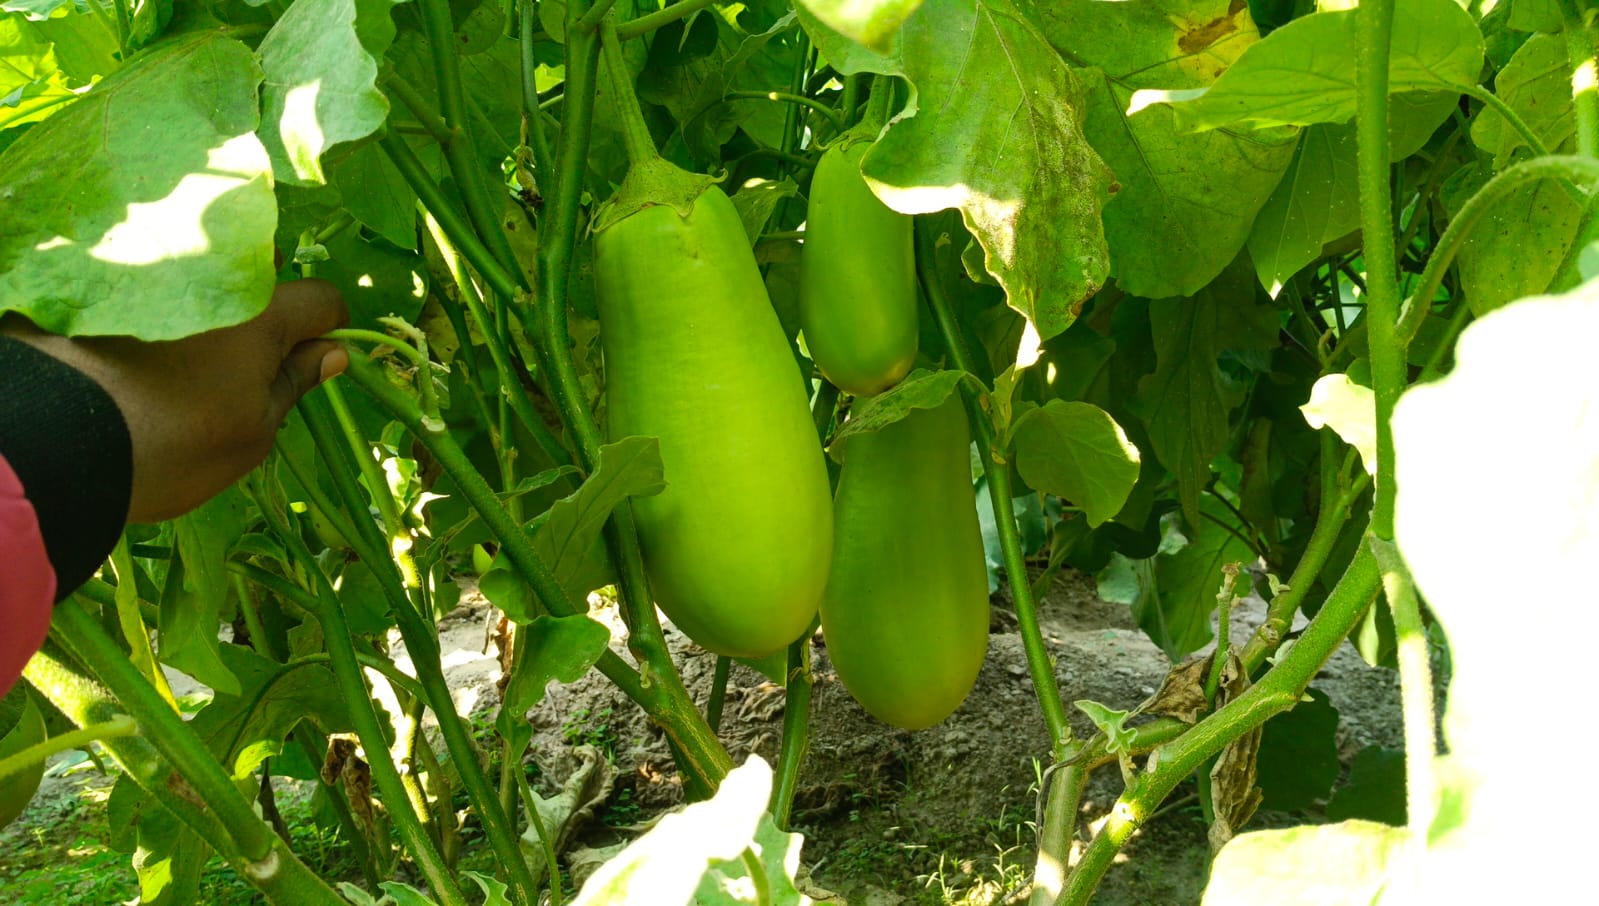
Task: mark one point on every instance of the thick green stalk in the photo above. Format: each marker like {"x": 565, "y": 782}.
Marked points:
{"x": 663, "y": 696}
{"x": 461, "y": 150}
{"x": 1056, "y": 829}
{"x": 1578, "y": 170}
{"x": 1278, "y": 691}
{"x": 505, "y": 281}
{"x": 1584, "y": 76}
{"x": 341, "y": 654}
{"x": 421, "y": 638}
{"x": 87, "y": 640}
{"x": 280, "y": 876}
{"x": 1374, "y": 30}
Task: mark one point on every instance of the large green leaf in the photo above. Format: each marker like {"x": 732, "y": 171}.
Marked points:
{"x": 1185, "y": 202}
{"x": 168, "y": 855}
{"x": 1316, "y": 202}
{"x": 1078, "y": 452}
{"x": 1004, "y": 143}
{"x": 1304, "y": 72}
{"x": 162, "y": 224}
{"x": 1187, "y": 400}
{"x": 1514, "y": 423}
{"x": 321, "y": 65}
{"x": 846, "y": 55}
{"x": 1298, "y": 758}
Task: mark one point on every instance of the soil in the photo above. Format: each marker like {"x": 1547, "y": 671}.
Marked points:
{"x": 940, "y": 816}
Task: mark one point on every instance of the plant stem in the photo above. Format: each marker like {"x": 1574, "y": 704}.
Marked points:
{"x": 499, "y": 352}
{"x": 461, "y": 149}
{"x": 359, "y": 335}
{"x": 1331, "y": 516}
{"x": 280, "y": 875}
{"x": 645, "y": 24}
{"x": 713, "y": 707}
{"x": 116, "y": 727}
{"x": 421, "y": 638}
{"x": 833, "y": 116}
{"x": 595, "y": 15}
{"x": 503, "y": 280}
{"x": 532, "y": 116}
{"x": 1578, "y": 170}
{"x": 426, "y": 116}
{"x": 341, "y": 654}
{"x": 796, "y": 729}
{"x": 1584, "y": 76}
{"x": 1057, "y": 827}
{"x": 1279, "y": 690}
{"x": 663, "y": 696}
{"x": 635, "y": 132}
{"x": 1374, "y": 30}
{"x": 1415, "y": 688}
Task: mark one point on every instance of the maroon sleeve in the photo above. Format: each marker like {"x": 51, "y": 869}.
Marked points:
{"x": 27, "y": 581}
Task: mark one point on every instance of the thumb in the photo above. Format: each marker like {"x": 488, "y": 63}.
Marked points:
{"x": 307, "y": 365}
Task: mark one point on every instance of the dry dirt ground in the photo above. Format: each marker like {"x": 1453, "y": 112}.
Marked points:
{"x": 939, "y": 816}
{"x": 943, "y": 815}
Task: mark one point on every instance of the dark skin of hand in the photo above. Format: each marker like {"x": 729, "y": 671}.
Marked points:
{"x": 202, "y": 411}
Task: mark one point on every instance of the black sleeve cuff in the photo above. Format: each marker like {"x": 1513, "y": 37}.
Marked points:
{"x": 68, "y": 443}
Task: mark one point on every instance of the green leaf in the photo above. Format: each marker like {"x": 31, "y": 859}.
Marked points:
{"x": 494, "y": 890}
{"x": 1298, "y": 758}
{"x": 32, "y": 85}
{"x": 1186, "y": 401}
{"x": 1184, "y": 203}
{"x": 404, "y": 894}
{"x": 756, "y": 199}
{"x": 1536, "y": 15}
{"x": 664, "y": 867}
{"x": 871, "y": 23}
{"x": 1375, "y": 790}
{"x": 1004, "y": 143}
{"x": 1536, "y": 84}
{"x": 1514, "y": 423}
{"x": 167, "y": 855}
{"x": 164, "y": 228}
{"x": 375, "y": 278}
{"x": 847, "y": 56}
{"x": 245, "y": 728}
{"x": 191, "y": 606}
{"x": 377, "y": 195}
{"x": 1350, "y": 409}
{"x": 1518, "y": 245}
{"x": 1078, "y": 452}
{"x": 1118, "y": 737}
{"x": 1327, "y": 864}
{"x": 1173, "y": 594}
{"x": 21, "y": 727}
{"x": 777, "y": 854}
{"x": 320, "y": 62}
{"x": 1304, "y": 72}
{"x": 567, "y": 537}
{"x": 921, "y": 389}
{"x": 558, "y": 648}
{"x": 1316, "y": 202}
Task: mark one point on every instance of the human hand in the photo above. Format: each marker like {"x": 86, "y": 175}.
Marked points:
{"x": 203, "y": 410}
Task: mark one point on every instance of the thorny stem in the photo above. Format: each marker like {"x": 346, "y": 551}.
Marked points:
{"x": 1279, "y": 690}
